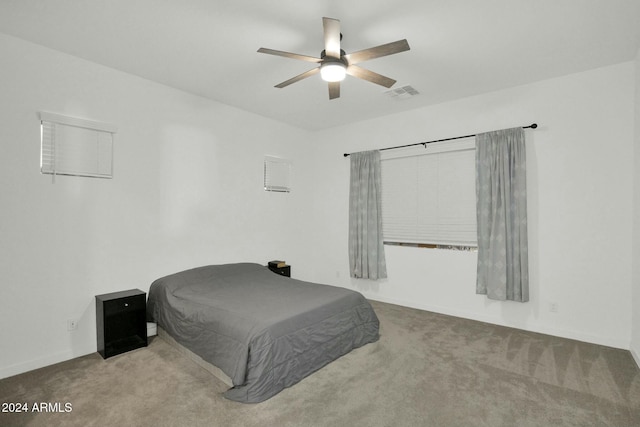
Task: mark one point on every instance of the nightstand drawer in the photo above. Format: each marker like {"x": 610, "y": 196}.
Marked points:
{"x": 124, "y": 305}
{"x": 283, "y": 271}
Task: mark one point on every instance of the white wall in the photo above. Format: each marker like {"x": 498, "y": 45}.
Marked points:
{"x": 580, "y": 172}
{"x": 635, "y": 319}
{"x": 187, "y": 191}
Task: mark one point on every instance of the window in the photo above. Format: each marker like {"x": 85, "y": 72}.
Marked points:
{"x": 277, "y": 173}
{"x": 428, "y": 195}
{"x": 78, "y": 147}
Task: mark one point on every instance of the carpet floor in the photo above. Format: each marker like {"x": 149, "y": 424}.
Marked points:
{"x": 427, "y": 369}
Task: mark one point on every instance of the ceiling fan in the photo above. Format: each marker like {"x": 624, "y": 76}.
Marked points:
{"x": 335, "y": 64}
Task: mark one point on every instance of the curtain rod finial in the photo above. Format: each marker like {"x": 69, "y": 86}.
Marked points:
{"x": 346, "y": 154}
{"x": 533, "y": 126}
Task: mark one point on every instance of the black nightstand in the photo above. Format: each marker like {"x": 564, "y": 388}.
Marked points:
{"x": 121, "y": 323}
{"x": 283, "y": 271}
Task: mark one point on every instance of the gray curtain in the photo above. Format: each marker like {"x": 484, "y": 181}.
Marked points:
{"x": 366, "y": 249}
{"x": 501, "y": 191}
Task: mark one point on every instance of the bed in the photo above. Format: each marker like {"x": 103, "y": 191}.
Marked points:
{"x": 264, "y": 331}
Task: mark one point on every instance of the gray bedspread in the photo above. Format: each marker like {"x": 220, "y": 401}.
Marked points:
{"x": 265, "y": 331}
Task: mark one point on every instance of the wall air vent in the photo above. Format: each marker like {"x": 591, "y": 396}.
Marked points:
{"x": 403, "y": 92}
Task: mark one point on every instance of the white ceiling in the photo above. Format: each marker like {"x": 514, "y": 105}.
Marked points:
{"x": 459, "y": 48}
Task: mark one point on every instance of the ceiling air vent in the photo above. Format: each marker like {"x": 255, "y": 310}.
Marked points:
{"x": 403, "y": 92}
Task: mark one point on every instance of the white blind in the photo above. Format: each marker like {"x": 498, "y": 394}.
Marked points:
{"x": 71, "y": 146}
{"x": 277, "y": 174}
{"x": 428, "y": 196}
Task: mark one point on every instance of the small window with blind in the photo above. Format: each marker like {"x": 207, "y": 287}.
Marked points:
{"x": 277, "y": 174}
{"x": 77, "y": 147}
{"x": 428, "y": 195}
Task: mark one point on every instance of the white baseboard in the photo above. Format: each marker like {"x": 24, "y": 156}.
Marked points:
{"x": 578, "y": 336}
{"x": 636, "y": 356}
{"x": 30, "y": 365}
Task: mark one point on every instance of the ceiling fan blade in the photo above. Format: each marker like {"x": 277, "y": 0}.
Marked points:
{"x": 289, "y": 55}
{"x": 334, "y": 90}
{"x": 362, "y": 73}
{"x": 377, "y": 52}
{"x": 298, "y": 77}
{"x": 331, "y": 37}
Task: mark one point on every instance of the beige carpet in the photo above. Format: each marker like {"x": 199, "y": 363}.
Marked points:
{"x": 426, "y": 370}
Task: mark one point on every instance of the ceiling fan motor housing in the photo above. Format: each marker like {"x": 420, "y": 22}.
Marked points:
{"x": 323, "y": 54}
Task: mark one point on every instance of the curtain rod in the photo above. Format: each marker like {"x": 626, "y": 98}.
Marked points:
{"x": 531, "y": 126}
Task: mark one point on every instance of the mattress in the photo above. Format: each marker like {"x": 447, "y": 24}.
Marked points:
{"x": 264, "y": 331}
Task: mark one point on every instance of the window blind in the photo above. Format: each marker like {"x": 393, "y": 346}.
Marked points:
{"x": 277, "y": 173}
{"x": 428, "y": 195}
{"x": 78, "y": 147}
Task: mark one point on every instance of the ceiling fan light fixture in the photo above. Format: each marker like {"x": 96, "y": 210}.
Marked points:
{"x": 333, "y": 71}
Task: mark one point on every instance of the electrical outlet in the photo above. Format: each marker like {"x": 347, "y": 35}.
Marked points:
{"x": 72, "y": 324}
{"x": 553, "y": 307}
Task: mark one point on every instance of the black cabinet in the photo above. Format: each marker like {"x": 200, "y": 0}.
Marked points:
{"x": 121, "y": 322}
{"x": 283, "y": 271}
